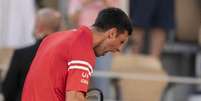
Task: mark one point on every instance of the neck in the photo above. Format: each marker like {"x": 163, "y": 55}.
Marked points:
{"x": 44, "y": 33}
{"x": 98, "y": 37}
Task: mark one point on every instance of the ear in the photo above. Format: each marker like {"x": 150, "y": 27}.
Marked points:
{"x": 39, "y": 28}
{"x": 112, "y": 33}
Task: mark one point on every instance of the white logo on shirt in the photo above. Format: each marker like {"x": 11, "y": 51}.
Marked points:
{"x": 85, "y": 75}
{"x": 84, "y": 81}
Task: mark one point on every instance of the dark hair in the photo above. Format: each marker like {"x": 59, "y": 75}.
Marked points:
{"x": 113, "y": 17}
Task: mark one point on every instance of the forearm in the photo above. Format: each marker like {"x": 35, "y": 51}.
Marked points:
{"x": 75, "y": 96}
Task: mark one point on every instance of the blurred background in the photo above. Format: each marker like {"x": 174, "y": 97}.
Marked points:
{"x": 160, "y": 62}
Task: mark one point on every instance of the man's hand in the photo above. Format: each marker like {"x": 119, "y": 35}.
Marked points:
{"x": 75, "y": 96}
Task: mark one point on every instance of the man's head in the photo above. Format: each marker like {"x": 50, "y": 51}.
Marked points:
{"x": 47, "y": 21}
{"x": 113, "y": 27}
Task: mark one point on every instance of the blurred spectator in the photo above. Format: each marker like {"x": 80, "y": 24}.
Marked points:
{"x": 84, "y": 12}
{"x": 155, "y": 17}
{"x": 47, "y": 22}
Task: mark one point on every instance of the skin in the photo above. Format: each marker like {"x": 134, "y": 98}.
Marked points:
{"x": 103, "y": 42}
{"x": 75, "y": 96}
{"x": 157, "y": 40}
{"x": 109, "y": 41}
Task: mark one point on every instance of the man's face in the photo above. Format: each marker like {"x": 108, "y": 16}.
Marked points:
{"x": 112, "y": 43}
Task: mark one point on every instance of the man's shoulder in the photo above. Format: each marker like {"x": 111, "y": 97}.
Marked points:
{"x": 26, "y": 50}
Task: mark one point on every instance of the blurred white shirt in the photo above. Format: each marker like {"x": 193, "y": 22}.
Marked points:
{"x": 17, "y": 19}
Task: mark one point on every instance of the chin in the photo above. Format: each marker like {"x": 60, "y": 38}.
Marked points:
{"x": 99, "y": 55}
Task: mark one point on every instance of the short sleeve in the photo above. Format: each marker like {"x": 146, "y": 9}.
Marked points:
{"x": 80, "y": 66}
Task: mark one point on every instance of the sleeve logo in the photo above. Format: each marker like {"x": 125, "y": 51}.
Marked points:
{"x": 85, "y": 75}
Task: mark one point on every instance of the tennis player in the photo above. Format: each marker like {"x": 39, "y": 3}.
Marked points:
{"x": 64, "y": 62}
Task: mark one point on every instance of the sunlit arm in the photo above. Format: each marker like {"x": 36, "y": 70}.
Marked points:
{"x": 75, "y": 96}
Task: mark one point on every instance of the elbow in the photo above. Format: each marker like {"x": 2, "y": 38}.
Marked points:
{"x": 75, "y": 96}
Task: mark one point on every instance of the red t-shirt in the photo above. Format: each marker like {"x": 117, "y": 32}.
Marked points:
{"x": 63, "y": 62}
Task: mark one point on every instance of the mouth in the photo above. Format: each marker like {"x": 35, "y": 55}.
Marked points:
{"x": 103, "y": 54}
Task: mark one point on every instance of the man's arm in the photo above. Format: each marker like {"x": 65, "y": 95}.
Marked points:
{"x": 75, "y": 96}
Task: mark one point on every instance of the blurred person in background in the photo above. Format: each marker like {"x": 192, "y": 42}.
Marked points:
{"x": 155, "y": 17}
{"x": 17, "y": 17}
{"x": 47, "y": 21}
{"x": 84, "y": 12}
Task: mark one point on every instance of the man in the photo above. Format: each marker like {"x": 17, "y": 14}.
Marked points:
{"x": 64, "y": 61}
{"x": 47, "y": 21}
{"x": 84, "y": 12}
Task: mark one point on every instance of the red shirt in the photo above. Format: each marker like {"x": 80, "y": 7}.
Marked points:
{"x": 63, "y": 62}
